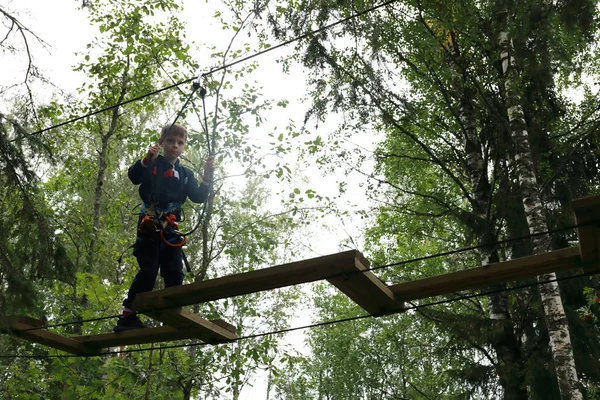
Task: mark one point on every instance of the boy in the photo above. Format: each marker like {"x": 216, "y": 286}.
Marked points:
{"x": 164, "y": 186}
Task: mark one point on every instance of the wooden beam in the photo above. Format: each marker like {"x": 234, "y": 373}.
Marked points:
{"x": 365, "y": 289}
{"x": 587, "y": 213}
{"x": 9, "y": 322}
{"x": 248, "y": 282}
{"x": 224, "y": 324}
{"x": 24, "y": 327}
{"x": 164, "y": 333}
{"x": 203, "y": 329}
{"x": 476, "y": 278}
{"x": 136, "y": 336}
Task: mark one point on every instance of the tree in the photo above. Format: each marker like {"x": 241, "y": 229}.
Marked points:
{"x": 445, "y": 165}
{"x": 556, "y": 319}
{"x": 14, "y": 27}
{"x": 27, "y": 249}
{"x": 27, "y": 245}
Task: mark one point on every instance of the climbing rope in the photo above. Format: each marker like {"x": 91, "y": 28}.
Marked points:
{"x": 197, "y": 85}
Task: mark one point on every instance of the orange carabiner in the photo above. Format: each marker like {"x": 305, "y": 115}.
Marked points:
{"x": 162, "y": 236}
{"x": 171, "y": 219}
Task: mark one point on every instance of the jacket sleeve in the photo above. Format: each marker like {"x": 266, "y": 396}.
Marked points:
{"x": 198, "y": 193}
{"x": 136, "y": 172}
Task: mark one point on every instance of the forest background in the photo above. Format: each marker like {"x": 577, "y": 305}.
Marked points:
{"x": 412, "y": 127}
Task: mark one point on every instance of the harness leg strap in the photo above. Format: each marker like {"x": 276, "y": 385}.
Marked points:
{"x": 185, "y": 261}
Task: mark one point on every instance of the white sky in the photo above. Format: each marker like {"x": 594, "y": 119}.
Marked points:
{"x": 66, "y": 31}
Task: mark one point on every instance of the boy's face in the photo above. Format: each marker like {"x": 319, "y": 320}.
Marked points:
{"x": 173, "y": 146}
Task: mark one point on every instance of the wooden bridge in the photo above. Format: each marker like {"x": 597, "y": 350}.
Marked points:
{"x": 348, "y": 271}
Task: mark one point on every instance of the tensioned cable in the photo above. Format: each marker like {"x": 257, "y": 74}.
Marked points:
{"x": 217, "y": 69}
{"x": 315, "y": 325}
{"x": 338, "y": 274}
{"x": 479, "y": 246}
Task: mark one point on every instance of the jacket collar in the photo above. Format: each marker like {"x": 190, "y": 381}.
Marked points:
{"x": 161, "y": 160}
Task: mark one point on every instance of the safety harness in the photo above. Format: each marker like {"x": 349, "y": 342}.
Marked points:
{"x": 166, "y": 228}
{"x": 163, "y": 220}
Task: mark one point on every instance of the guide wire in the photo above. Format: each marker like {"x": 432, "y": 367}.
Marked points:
{"x": 337, "y": 274}
{"x": 480, "y": 246}
{"x": 214, "y": 70}
{"x": 310, "y": 326}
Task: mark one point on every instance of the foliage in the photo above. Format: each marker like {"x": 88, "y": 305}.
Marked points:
{"x": 407, "y": 73}
{"x": 140, "y": 47}
{"x": 427, "y": 76}
{"x": 27, "y": 244}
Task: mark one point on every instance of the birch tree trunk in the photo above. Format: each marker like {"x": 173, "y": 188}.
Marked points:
{"x": 504, "y": 341}
{"x": 556, "y": 320}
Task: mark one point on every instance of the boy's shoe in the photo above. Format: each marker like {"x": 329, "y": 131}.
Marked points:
{"x": 128, "y": 322}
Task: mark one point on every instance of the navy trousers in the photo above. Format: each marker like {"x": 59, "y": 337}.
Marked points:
{"x": 153, "y": 255}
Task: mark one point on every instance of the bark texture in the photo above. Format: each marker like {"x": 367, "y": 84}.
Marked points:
{"x": 556, "y": 320}
{"x": 503, "y": 338}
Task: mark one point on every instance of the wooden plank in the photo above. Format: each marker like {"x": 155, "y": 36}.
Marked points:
{"x": 248, "y": 282}
{"x": 136, "y": 336}
{"x": 19, "y": 326}
{"x": 162, "y": 334}
{"x": 587, "y": 211}
{"x": 185, "y": 320}
{"x": 366, "y": 290}
{"x": 225, "y": 325}
{"x": 476, "y": 278}
{"x": 7, "y": 322}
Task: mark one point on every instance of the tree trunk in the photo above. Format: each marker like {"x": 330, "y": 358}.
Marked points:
{"x": 503, "y": 338}
{"x": 102, "y": 165}
{"x": 149, "y": 374}
{"x": 269, "y": 383}
{"x": 206, "y": 248}
{"x": 97, "y": 201}
{"x": 556, "y": 320}
{"x": 187, "y": 389}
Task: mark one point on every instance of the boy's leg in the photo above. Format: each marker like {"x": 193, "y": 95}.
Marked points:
{"x": 146, "y": 252}
{"x": 171, "y": 266}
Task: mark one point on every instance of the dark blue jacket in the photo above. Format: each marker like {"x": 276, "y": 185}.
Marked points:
{"x": 162, "y": 183}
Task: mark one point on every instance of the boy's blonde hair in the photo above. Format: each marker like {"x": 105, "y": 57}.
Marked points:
{"x": 177, "y": 130}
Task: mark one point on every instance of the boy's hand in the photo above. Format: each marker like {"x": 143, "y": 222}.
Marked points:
{"x": 152, "y": 154}
{"x": 209, "y": 167}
